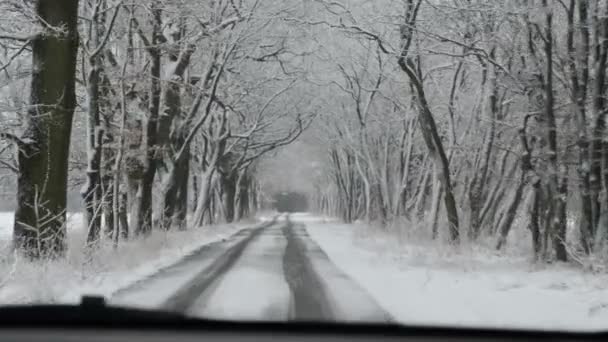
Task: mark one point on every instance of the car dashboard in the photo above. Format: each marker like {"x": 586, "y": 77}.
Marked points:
{"x": 94, "y": 321}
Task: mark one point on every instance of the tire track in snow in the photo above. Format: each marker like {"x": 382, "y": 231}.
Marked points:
{"x": 166, "y": 288}
{"x": 274, "y": 272}
{"x": 183, "y": 299}
{"x": 308, "y": 300}
{"x": 320, "y": 290}
{"x": 254, "y": 287}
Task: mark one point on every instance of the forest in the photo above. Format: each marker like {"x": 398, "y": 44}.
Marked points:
{"x": 469, "y": 118}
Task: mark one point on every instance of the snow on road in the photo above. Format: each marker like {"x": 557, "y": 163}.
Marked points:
{"x": 429, "y": 284}
{"x": 254, "y": 288}
{"x": 415, "y": 281}
{"x": 345, "y": 299}
{"x": 103, "y": 273}
{"x": 153, "y": 292}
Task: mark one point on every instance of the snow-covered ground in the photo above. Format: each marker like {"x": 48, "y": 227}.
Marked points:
{"x": 104, "y": 272}
{"x": 415, "y": 280}
{"x": 347, "y": 300}
{"x": 255, "y": 287}
{"x": 422, "y": 282}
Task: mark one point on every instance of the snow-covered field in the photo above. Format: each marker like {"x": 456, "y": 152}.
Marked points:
{"x": 104, "y": 272}
{"x": 422, "y": 282}
{"x": 416, "y": 280}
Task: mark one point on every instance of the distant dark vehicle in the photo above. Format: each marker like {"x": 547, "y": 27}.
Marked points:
{"x": 290, "y": 202}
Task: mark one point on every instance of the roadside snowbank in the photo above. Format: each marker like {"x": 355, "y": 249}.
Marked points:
{"x": 429, "y": 283}
{"x": 104, "y": 272}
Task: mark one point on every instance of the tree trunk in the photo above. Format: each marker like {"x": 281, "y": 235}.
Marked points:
{"x": 177, "y": 165}
{"x": 194, "y": 192}
{"x": 107, "y": 173}
{"x": 204, "y": 196}
{"x": 404, "y": 169}
{"x": 40, "y": 217}
{"x": 488, "y": 212}
{"x": 599, "y": 112}
{"x": 181, "y": 199}
{"x": 435, "y": 206}
{"x": 435, "y": 146}
{"x": 91, "y": 191}
{"x": 228, "y": 196}
{"x": 107, "y": 202}
{"x": 143, "y": 206}
{"x": 244, "y": 207}
{"x": 122, "y": 214}
{"x": 557, "y": 187}
{"x": 510, "y": 214}
{"x": 241, "y": 194}
{"x": 534, "y": 221}
{"x": 579, "y": 59}
{"x": 477, "y": 192}
{"x": 367, "y": 190}
{"x": 425, "y": 117}
{"x": 422, "y": 193}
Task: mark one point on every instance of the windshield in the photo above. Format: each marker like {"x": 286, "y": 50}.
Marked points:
{"x": 419, "y": 162}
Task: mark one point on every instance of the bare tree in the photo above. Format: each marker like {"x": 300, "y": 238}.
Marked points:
{"x": 44, "y": 146}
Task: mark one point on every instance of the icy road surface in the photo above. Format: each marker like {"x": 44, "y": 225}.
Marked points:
{"x": 254, "y": 288}
{"x": 311, "y": 268}
{"x": 273, "y": 272}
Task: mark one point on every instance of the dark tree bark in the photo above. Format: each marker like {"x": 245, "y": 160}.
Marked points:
{"x": 143, "y": 200}
{"x": 497, "y": 193}
{"x": 241, "y": 194}
{"x": 435, "y": 146}
{"x": 579, "y": 77}
{"x": 435, "y": 209}
{"x": 107, "y": 199}
{"x": 427, "y": 122}
{"x": 176, "y": 176}
{"x": 229, "y": 186}
{"x": 243, "y": 209}
{"x": 526, "y": 168}
{"x": 557, "y": 184}
{"x": 507, "y": 221}
{"x": 108, "y": 159}
{"x": 598, "y": 130}
{"x": 477, "y": 192}
{"x": 535, "y": 220}
{"x": 120, "y": 191}
{"x": 175, "y": 201}
{"x": 123, "y": 214}
{"x": 40, "y": 217}
{"x": 181, "y": 199}
{"x": 206, "y": 187}
{"x": 91, "y": 191}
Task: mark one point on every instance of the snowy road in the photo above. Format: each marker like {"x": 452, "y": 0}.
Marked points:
{"x": 273, "y": 272}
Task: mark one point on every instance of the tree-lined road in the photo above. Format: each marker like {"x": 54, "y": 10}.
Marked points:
{"x": 271, "y": 272}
